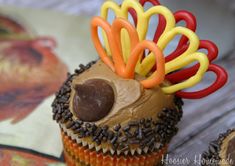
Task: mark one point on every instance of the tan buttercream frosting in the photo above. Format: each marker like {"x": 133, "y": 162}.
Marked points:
{"x": 132, "y": 101}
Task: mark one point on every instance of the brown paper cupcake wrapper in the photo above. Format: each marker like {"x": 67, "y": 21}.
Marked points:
{"x": 76, "y": 155}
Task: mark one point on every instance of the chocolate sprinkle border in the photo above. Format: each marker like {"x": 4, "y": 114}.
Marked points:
{"x": 144, "y": 132}
{"x": 214, "y": 149}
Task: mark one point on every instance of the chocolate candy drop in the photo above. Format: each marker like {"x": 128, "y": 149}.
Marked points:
{"x": 93, "y": 100}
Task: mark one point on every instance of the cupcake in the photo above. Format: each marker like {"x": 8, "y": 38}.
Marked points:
{"x": 221, "y": 151}
{"x": 107, "y": 119}
{"x": 123, "y": 109}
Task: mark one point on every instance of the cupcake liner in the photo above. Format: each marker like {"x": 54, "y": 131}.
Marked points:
{"x": 68, "y": 159}
{"x": 77, "y": 155}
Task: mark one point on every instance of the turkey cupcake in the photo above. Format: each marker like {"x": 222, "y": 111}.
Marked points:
{"x": 107, "y": 119}
{"x": 123, "y": 109}
{"x": 221, "y": 151}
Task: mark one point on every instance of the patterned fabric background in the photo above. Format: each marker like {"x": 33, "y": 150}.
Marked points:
{"x": 34, "y": 59}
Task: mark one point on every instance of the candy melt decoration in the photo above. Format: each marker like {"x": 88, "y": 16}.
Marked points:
{"x": 179, "y": 76}
{"x": 142, "y": 16}
{"x": 182, "y": 15}
{"x": 127, "y": 71}
{"x": 146, "y": 65}
{"x": 212, "y": 53}
{"x": 118, "y": 65}
{"x": 221, "y": 79}
{"x": 160, "y": 28}
{"x": 204, "y": 63}
{"x": 221, "y": 74}
{"x": 148, "y": 62}
{"x": 187, "y": 57}
{"x": 191, "y": 23}
{"x": 175, "y": 63}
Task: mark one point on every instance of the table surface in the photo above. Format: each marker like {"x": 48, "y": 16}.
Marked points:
{"x": 203, "y": 120}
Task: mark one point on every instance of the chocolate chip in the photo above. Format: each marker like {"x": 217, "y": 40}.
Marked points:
{"x": 54, "y": 110}
{"x": 142, "y": 121}
{"x": 124, "y": 139}
{"x": 100, "y": 137}
{"x": 82, "y": 133}
{"x": 93, "y": 128}
{"x": 110, "y": 135}
{"x": 212, "y": 149}
{"x": 145, "y": 131}
{"x": 70, "y": 124}
{"x": 124, "y": 148}
{"x": 147, "y": 125}
{"x": 57, "y": 117}
{"x": 98, "y": 132}
{"x": 105, "y": 128}
{"x": 128, "y": 134}
{"x": 87, "y": 133}
{"x": 115, "y": 146}
{"x": 75, "y": 126}
{"x": 133, "y": 141}
{"x": 79, "y": 122}
{"x": 151, "y": 142}
{"x": 161, "y": 115}
{"x": 126, "y": 128}
{"x": 93, "y": 100}
{"x": 150, "y": 133}
{"x": 114, "y": 140}
{"x": 98, "y": 142}
{"x": 117, "y": 127}
{"x": 214, "y": 144}
{"x": 140, "y": 134}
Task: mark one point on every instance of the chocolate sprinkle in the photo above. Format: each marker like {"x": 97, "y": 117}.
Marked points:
{"x": 144, "y": 132}
{"x": 117, "y": 127}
